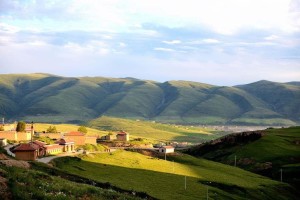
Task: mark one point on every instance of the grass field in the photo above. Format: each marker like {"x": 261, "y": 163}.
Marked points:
{"x": 39, "y": 127}
{"x": 166, "y": 179}
{"x": 151, "y": 131}
{"x": 156, "y": 131}
{"x": 278, "y": 148}
{"x": 27, "y": 184}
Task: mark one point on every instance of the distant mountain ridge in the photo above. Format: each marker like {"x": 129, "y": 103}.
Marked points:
{"x": 50, "y": 98}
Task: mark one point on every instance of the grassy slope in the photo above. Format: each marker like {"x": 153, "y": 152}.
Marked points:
{"x": 32, "y": 184}
{"x": 281, "y": 98}
{"x": 153, "y": 130}
{"x": 165, "y": 179}
{"x": 278, "y": 146}
{"x": 48, "y": 98}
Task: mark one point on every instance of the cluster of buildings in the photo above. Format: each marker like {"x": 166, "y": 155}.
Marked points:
{"x": 64, "y": 142}
{"x": 119, "y": 136}
{"x": 31, "y": 150}
{"x": 36, "y": 149}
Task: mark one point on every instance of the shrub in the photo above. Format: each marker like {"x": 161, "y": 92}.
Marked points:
{"x": 82, "y": 129}
{"x": 21, "y": 126}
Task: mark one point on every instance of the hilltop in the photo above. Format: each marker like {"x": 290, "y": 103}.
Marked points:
{"x": 56, "y": 99}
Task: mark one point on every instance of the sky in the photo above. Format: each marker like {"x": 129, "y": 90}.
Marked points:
{"x": 221, "y": 42}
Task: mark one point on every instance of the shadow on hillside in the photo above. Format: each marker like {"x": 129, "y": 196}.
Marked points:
{"x": 163, "y": 185}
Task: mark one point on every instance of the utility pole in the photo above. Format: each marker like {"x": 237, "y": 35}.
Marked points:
{"x": 166, "y": 154}
{"x": 235, "y": 160}
{"x": 185, "y": 182}
{"x": 3, "y": 121}
{"x": 207, "y": 193}
{"x": 280, "y": 175}
{"x": 31, "y": 131}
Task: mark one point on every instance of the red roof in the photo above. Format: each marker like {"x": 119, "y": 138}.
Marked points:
{"x": 122, "y": 133}
{"x": 39, "y": 143}
{"x": 64, "y": 141}
{"x": 26, "y": 147}
{"x": 74, "y": 133}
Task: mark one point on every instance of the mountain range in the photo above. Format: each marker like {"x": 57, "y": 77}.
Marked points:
{"x": 56, "y": 99}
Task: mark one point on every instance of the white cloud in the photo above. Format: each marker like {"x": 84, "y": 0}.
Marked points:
{"x": 226, "y": 17}
{"x": 211, "y": 41}
{"x": 272, "y": 37}
{"x": 172, "y": 42}
{"x": 6, "y": 28}
{"x": 164, "y": 49}
{"x": 227, "y": 41}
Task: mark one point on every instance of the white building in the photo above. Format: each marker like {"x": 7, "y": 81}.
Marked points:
{"x": 3, "y": 142}
{"x": 166, "y": 149}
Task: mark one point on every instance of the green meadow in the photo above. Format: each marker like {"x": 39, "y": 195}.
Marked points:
{"x": 166, "y": 179}
{"x": 27, "y": 184}
{"x": 155, "y": 131}
{"x": 278, "y": 148}
{"x": 149, "y": 131}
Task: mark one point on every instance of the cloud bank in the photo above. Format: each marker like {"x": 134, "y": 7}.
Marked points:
{"x": 218, "y": 42}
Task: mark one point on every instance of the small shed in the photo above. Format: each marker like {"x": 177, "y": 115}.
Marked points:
{"x": 122, "y": 136}
{"x": 166, "y": 149}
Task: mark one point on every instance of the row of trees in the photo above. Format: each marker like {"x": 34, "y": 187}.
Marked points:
{"x": 52, "y": 129}
{"x": 21, "y": 127}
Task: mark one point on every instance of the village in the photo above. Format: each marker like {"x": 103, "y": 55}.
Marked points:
{"x": 28, "y": 145}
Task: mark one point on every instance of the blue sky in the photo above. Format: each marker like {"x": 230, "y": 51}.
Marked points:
{"x": 222, "y": 42}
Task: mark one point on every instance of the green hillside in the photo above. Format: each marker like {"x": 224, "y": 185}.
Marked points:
{"x": 32, "y": 180}
{"x": 55, "y": 99}
{"x": 166, "y": 179}
{"x": 276, "y": 149}
{"x": 155, "y": 131}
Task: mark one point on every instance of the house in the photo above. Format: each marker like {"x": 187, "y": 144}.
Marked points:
{"x": 3, "y": 142}
{"x": 26, "y": 151}
{"x": 68, "y": 145}
{"x": 77, "y": 137}
{"x": 9, "y": 127}
{"x": 15, "y": 136}
{"x": 109, "y": 137}
{"x": 91, "y": 140}
{"x": 122, "y": 136}
{"x": 9, "y": 135}
{"x": 24, "y": 136}
{"x": 54, "y": 149}
{"x": 166, "y": 149}
{"x": 41, "y": 148}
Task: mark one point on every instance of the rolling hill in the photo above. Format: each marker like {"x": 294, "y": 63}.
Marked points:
{"x": 55, "y": 99}
{"x": 265, "y": 152}
{"x": 165, "y": 179}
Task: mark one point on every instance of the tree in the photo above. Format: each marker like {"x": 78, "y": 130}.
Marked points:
{"x": 82, "y": 129}
{"x": 51, "y": 129}
{"x": 21, "y": 126}
{"x": 1, "y": 128}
